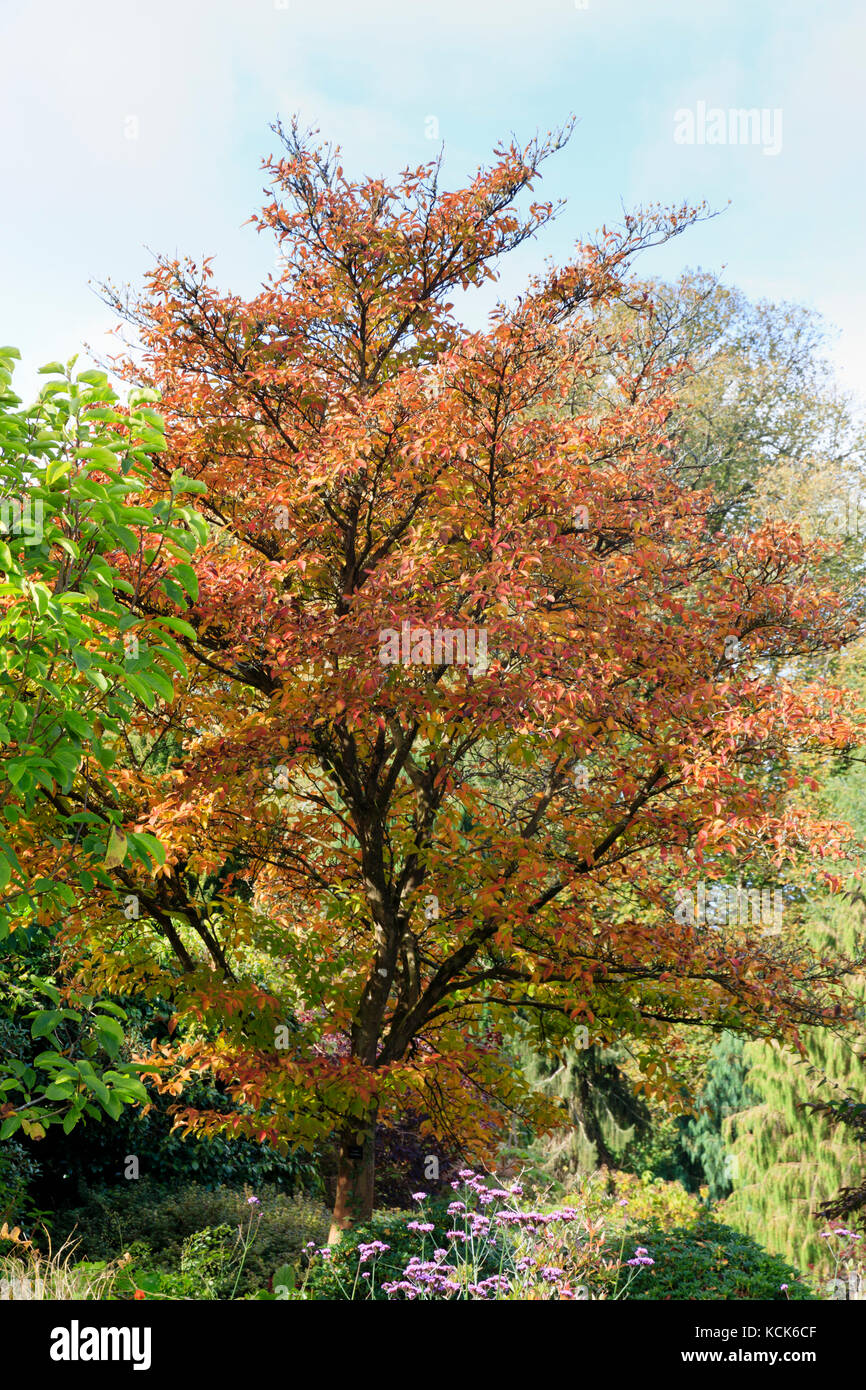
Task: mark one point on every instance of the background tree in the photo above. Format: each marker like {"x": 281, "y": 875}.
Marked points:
{"x": 794, "y": 1150}
{"x": 757, "y": 411}
{"x": 725, "y": 1093}
{"x": 757, "y": 415}
{"x": 602, "y": 1114}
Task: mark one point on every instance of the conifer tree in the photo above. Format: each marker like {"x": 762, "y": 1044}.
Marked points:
{"x": 604, "y": 1114}
{"x": 725, "y": 1094}
{"x": 789, "y": 1158}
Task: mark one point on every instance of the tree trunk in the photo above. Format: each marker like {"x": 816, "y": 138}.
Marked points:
{"x": 355, "y": 1175}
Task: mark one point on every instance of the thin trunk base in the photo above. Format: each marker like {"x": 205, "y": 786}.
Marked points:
{"x": 353, "y": 1204}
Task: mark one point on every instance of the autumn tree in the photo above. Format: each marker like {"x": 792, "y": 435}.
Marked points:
{"x": 474, "y": 685}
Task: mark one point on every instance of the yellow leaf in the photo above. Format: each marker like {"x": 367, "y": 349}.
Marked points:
{"x": 116, "y": 851}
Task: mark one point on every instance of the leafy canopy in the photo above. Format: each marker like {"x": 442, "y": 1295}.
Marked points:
{"x": 373, "y": 867}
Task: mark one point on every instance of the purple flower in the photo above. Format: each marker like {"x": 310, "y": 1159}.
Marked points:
{"x": 489, "y": 1286}
{"x": 400, "y": 1286}
{"x": 418, "y": 1196}
{"x": 420, "y": 1226}
{"x": 370, "y": 1251}
{"x": 253, "y": 1202}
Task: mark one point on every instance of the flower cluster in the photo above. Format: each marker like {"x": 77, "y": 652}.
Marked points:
{"x": 640, "y": 1257}
{"x": 493, "y": 1249}
{"x": 426, "y": 1278}
{"x": 372, "y": 1250}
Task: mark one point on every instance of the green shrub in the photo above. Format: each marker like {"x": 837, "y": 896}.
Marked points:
{"x": 711, "y": 1261}
{"x": 95, "y": 1154}
{"x": 211, "y": 1266}
{"x": 18, "y": 1170}
{"x": 624, "y": 1201}
{"x": 656, "y": 1202}
{"x": 163, "y": 1221}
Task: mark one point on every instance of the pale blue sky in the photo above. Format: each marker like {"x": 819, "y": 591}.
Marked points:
{"x": 197, "y": 82}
